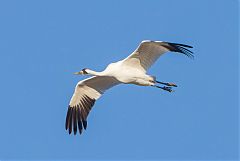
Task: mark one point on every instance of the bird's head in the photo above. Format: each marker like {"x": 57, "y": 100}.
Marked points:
{"x": 84, "y": 71}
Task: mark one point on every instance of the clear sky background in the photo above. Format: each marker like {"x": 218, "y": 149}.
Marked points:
{"x": 42, "y": 43}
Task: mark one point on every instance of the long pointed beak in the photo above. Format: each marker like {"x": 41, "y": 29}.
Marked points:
{"x": 78, "y": 73}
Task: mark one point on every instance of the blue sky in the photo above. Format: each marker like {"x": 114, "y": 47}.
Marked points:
{"x": 44, "y": 42}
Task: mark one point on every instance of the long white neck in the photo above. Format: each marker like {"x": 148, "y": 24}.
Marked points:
{"x": 91, "y": 72}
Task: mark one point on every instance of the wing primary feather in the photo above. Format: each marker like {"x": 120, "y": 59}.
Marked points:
{"x": 79, "y": 120}
{"x": 85, "y": 124}
{"x": 83, "y": 110}
{"x": 83, "y": 119}
{"x": 87, "y": 104}
{"x": 186, "y": 51}
{"x": 91, "y": 100}
{"x": 179, "y": 48}
{"x": 67, "y": 118}
{"x": 75, "y": 120}
{"x": 70, "y": 121}
{"x": 184, "y": 45}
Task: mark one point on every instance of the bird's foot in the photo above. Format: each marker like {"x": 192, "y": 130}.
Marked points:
{"x": 169, "y": 89}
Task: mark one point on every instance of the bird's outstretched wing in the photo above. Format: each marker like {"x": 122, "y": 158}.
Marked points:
{"x": 149, "y": 51}
{"x": 86, "y": 93}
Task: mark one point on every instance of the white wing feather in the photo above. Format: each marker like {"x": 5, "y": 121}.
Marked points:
{"x": 86, "y": 93}
{"x": 149, "y": 51}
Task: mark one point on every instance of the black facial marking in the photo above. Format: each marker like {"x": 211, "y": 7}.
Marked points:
{"x": 84, "y": 71}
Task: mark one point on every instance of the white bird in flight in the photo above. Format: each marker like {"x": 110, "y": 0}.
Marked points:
{"x": 131, "y": 70}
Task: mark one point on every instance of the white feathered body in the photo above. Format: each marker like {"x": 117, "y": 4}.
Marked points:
{"x": 128, "y": 74}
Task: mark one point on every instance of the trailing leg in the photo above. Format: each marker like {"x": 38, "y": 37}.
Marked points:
{"x": 167, "y": 84}
{"x": 169, "y": 89}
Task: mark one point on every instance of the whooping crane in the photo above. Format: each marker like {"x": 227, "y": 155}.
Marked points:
{"x": 131, "y": 70}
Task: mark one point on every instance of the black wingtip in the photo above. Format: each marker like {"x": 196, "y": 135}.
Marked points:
{"x": 70, "y": 121}
{"x": 67, "y": 118}
{"x": 184, "y": 45}
{"x": 68, "y": 124}
{"x": 80, "y": 128}
{"x": 181, "y": 48}
{"x": 84, "y": 124}
{"x": 76, "y": 119}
